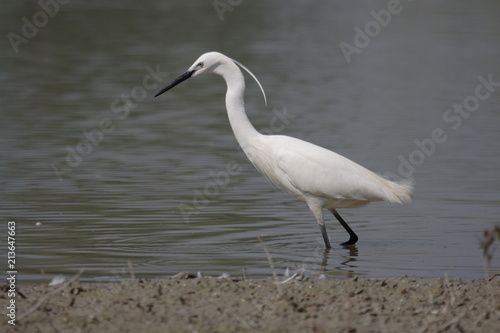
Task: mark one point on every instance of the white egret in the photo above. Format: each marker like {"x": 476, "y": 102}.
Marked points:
{"x": 314, "y": 175}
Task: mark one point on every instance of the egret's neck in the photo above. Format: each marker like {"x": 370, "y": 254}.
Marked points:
{"x": 243, "y": 130}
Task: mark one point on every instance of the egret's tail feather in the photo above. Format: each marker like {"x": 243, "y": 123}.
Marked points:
{"x": 400, "y": 192}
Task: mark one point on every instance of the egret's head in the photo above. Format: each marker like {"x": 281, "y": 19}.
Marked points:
{"x": 211, "y": 62}
{"x": 207, "y": 63}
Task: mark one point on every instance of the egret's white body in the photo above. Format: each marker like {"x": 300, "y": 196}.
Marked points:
{"x": 312, "y": 174}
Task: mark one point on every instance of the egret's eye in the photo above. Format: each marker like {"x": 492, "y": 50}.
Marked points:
{"x": 200, "y": 65}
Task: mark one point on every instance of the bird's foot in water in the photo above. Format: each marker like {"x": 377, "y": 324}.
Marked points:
{"x": 351, "y": 241}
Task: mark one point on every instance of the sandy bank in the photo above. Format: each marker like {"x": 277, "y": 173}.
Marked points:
{"x": 226, "y": 305}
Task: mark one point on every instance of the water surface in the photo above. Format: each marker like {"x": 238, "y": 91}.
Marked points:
{"x": 165, "y": 185}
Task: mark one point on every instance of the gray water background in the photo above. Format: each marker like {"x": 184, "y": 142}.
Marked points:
{"x": 167, "y": 187}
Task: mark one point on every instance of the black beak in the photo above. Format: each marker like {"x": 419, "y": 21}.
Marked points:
{"x": 181, "y": 78}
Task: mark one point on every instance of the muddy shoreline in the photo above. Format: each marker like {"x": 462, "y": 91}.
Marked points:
{"x": 185, "y": 304}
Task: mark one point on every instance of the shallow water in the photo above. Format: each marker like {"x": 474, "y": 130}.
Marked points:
{"x": 162, "y": 183}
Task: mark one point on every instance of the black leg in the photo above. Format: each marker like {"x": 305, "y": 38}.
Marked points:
{"x": 352, "y": 236}
{"x": 325, "y": 236}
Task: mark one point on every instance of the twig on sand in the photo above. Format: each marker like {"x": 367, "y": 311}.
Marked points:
{"x": 453, "y": 323}
{"x": 269, "y": 259}
{"x": 298, "y": 275}
{"x": 46, "y": 296}
{"x": 131, "y": 269}
{"x": 493, "y": 276}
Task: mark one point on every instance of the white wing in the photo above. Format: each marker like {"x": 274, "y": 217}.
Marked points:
{"x": 306, "y": 170}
